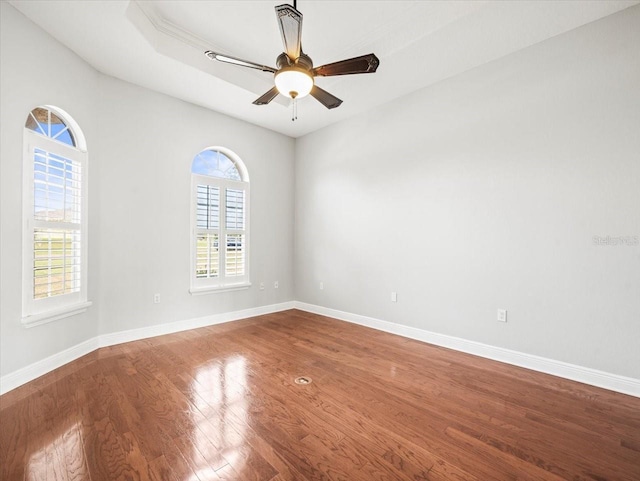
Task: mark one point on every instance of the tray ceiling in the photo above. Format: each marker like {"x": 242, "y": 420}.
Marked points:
{"x": 159, "y": 45}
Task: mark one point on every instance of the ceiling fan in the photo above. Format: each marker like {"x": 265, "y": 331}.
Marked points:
{"x": 294, "y": 77}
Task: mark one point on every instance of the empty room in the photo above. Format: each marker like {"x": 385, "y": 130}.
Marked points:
{"x": 319, "y": 240}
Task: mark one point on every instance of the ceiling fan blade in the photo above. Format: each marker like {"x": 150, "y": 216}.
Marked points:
{"x": 237, "y": 61}
{"x": 267, "y": 97}
{"x": 325, "y": 98}
{"x": 290, "y": 23}
{"x": 363, "y": 64}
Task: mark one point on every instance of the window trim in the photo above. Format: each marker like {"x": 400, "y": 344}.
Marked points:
{"x": 34, "y": 320}
{"x": 199, "y": 286}
{"x": 199, "y": 291}
{"x": 40, "y": 311}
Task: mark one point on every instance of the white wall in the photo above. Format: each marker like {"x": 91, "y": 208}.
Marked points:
{"x": 484, "y": 192}
{"x": 147, "y": 142}
{"x": 37, "y": 70}
{"x": 140, "y": 146}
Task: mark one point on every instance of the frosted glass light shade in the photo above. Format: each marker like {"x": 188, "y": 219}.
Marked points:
{"x": 294, "y": 83}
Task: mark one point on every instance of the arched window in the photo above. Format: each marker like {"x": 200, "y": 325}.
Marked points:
{"x": 220, "y": 221}
{"x": 54, "y": 208}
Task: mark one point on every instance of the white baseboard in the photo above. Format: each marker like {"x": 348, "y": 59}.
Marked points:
{"x": 32, "y": 371}
{"x": 179, "y": 326}
{"x": 593, "y": 377}
{"x": 565, "y": 370}
{"x": 29, "y": 373}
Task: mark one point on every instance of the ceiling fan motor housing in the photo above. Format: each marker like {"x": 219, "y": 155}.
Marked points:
{"x": 304, "y": 61}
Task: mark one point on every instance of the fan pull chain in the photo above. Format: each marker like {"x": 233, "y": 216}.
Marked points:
{"x": 294, "y": 110}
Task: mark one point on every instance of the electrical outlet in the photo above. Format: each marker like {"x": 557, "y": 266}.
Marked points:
{"x": 321, "y": 285}
{"x": 394, "y": 297}
{"x": 502, "y": 315}
{"x": 262, "y": 286}
{"x": 156, "y": 298}
{"x": 275, "y": 285}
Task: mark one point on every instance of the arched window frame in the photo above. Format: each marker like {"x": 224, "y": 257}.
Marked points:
{"x": 72, "y": 300}
{"x": 223, "y": 282}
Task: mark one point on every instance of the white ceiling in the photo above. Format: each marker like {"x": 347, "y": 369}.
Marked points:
{"x": 159, "y": 45}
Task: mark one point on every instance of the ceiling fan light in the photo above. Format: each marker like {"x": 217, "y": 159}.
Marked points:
{"x": 294, "y": 83}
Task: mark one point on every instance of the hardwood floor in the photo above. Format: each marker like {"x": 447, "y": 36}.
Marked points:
{"x": 221, "y": 403}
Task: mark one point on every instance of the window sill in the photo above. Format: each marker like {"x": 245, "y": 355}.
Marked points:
{"x": 55, "y": 314}
{"x": 197, "y": 291}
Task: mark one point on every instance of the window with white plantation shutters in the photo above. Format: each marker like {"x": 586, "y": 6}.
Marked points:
{"x": 55, "y": 239}
{"x": 220, "y": 239}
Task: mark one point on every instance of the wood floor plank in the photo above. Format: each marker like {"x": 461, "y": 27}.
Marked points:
{"x": 285, "y": 470}
{"x": 75, "y": 459}
{"x": 220, "y": 403}
{"x": 197, "y": 462}
{"x": 160, "y": 470}
{"x": 14, "y": 438}
{"x": 176, "y": 464}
